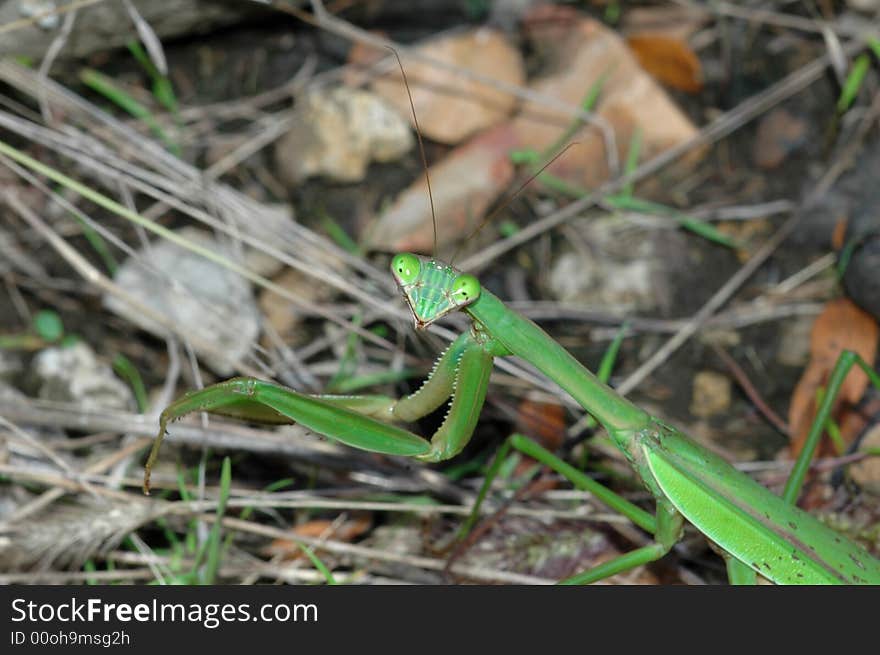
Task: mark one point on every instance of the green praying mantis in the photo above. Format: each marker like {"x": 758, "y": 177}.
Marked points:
{"x": 756, "y": 530}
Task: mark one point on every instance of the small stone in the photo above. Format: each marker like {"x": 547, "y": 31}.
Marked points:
{"x": 613, "y": 276}
{"x": 451, "y": 107}
{"x": 711, "y": 395}
{"x": 779, "y": 134}
{"x": 571, "y": 275}
{"x": 32, "y": 8}
{"x": 866, "y": 473}
{"x": 74, "y": 374}
{"x": 794, "y": 342}
{"x": 338, "y": 133}
{"x": 722, "y": 337}
{"x": 204, "y": 298}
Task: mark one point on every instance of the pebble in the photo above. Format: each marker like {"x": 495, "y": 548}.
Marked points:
{"x": 338, "y": 133}
{"x": 711, "y": 394}
{"x": 74, "y": 374}
{"x": 205, "y": 297}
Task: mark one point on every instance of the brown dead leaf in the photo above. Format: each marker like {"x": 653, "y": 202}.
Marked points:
{"x": 348, "y": 530}
{"x": 668, "y": 59}
{"x": 464, "y": 184}
{"x": 450, "y": 107}
{"x": 779, "y": 134}
{"x": 838, "y": 236}
{"x": 841, "y": 326}
{"x": 581, "y": 55}
{"x": 674, "y": 21}
{"x": 544, "y": 422}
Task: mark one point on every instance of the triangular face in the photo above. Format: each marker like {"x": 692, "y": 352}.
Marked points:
{"x": 430, "y": 295}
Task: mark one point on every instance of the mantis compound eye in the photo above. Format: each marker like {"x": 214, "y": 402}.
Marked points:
{"x": 465, "y": 289}
{"x": 406, "y": 267}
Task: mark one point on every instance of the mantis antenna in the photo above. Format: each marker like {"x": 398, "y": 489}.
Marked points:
{"x": 507, "y": 201}
{"x": 491, "y": 215}
{"x": 412, "y": 106}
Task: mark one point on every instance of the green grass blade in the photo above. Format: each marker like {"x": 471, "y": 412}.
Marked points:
{"x": 636, "y": 514}
{"x": 831, "y": 427}
{"x": 606, "y": 366}
{"x": 339, "y": 236}
{"x": 623, "y": 201}
{"x": 491, "y": 474}
{"x": 89, "y": 567}
{"x": 103, "y": 85}
{"x": 163, "y": 91}
{"x": 96, "y": 241}
{"x": 845, "y": 256}
{"x": 738, "y": 573}
{"x": 587, "y": 104}
{"x": 823, "y": 414}
{"x": 853, "y": 82}
{"x": 128, "y": 372}
{"x": 212, "y": 549}
{"x": 318, "y": 564}
{"x": 705, "y": 230}
{"x": 348, "y": 361}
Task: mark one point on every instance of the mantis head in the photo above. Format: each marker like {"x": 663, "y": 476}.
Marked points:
{"x": 432, "y": 288}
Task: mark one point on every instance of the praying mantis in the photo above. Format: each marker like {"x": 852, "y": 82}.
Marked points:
{"x": 756, "y": 530}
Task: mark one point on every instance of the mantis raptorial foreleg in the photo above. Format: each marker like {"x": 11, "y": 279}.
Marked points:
{"x": 363, "y": 422}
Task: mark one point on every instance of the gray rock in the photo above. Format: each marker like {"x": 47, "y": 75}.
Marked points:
{"x": 74, "y": 374}
{"x": 338, "y": 133}
{"x": 204, "y": 297}
{"x": 625, "y": 270}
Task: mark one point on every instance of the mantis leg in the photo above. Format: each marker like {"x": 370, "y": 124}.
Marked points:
{"x": 460, "y": 374}
{"x": 464, "y": 368}
{"x": 666, "y": 526}
{"x": 739, "y": 573}
{"x": 669, "y": 527}
{"x": 470, "y": 384}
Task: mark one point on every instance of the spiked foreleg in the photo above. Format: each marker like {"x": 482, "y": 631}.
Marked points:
{"x": 462, "y": 374}
{"x": 352, "y": 419}
{"x": 335, "y": 417}
{"x": 438, "y": 386}
{"x": 470, "y": 384}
